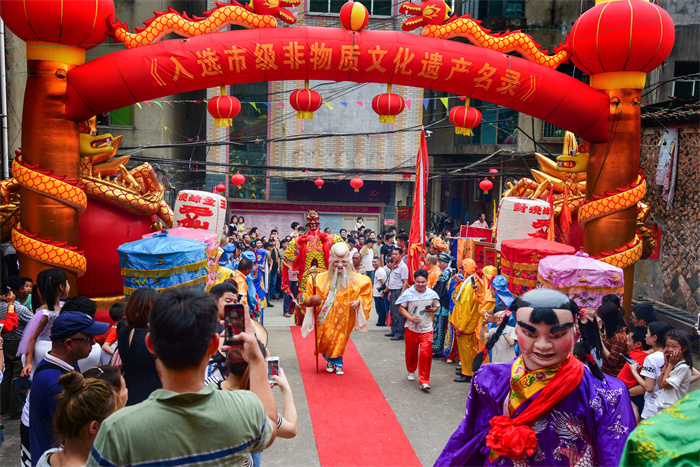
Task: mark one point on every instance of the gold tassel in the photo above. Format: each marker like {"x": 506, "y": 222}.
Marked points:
{"x": 387, "y": 119}
{"x": 221, "y": 122}
{"x": 460, "y": 130}
{"x": 305, "y": 115}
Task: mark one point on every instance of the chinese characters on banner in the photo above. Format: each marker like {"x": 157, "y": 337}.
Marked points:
{"x": 484, "y": 255}
{"x": 201, "y": 210}
{"x": 521, "y": 218}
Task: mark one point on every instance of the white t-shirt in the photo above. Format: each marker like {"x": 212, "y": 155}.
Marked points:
{"x": 679, "y": 379}
{"x": 503, "y": 352}
{"x": 652, "y": 368}
{"x": 397, "y": 276}
{"x": 379, "y": 275}
{"x": 417, "y": 308}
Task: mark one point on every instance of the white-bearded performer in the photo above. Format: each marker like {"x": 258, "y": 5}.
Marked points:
{"x": 345, "y": 303}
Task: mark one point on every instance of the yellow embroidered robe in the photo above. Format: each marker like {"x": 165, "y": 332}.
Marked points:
{"x": 335, "y": 331}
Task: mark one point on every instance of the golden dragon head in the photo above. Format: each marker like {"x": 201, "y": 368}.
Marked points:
{"x": 433, "y": 12}
{"x": 572, "y": 160}
{"x": 276, "y": 8}
{"x": 97, "y": 151}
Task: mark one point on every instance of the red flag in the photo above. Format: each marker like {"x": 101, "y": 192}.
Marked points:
{"x": 416, "y": 241}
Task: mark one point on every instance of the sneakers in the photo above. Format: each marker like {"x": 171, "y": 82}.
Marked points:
{"x": 411, "y": 376}
{"x": 449, "y": 360}
{"x": 329, "y": 367}
{"x": 339, "y": 371}
{"x": 425, "y": 387}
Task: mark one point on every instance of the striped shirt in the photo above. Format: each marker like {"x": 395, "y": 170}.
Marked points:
{"x": 23, "y": 317}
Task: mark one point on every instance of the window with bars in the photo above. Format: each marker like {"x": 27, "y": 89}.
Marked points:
{"x": 376, "y": 8}
{"x": 501, "y": 8}
{"x": 498, "y": 125}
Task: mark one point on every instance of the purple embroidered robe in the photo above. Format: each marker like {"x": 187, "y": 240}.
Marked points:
{"x": 588, "y": 428}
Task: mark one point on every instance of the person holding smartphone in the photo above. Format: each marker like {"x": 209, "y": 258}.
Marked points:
{"x": 417, "y": 304}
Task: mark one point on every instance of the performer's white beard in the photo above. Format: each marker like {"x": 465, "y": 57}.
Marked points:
{"x": 343, "y": 279}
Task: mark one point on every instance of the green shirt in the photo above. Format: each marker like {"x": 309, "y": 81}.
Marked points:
{"x": 206, "y": 428}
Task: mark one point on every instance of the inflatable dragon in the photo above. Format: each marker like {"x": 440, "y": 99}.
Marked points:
{"x": 432, "y": 16}
{"x": 255, "y": 14}
{"x": 566, "y": 179}
{"x": 103, "y": 178}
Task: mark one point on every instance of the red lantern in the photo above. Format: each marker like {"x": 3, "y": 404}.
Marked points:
{"x": 388, "y": 106}
{"x": 81, "y": 24}
{"x": 464, "y": 118}
{"x": 493, "y": 171}
{"x": 407, "y": 175}
{"x": 354, "y": 16}
{"x": 238, "y": 180}
{"x": 305, "y": 102}
{"x": 223, "y": 108}
{"x": 486, "y": 185}
{"x": 220, "y": 188}
{"x": 632, "y": 36}
{"x": 319, "y": 182}
{"x": 356, "y": 183}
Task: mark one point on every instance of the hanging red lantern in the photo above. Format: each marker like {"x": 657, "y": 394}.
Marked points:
{"x": 354, "y": 16}
{"x": 486, "y": 185}
{"x": 305, "y": 102}
{"x": 407, "y": 175}
{"x": 356, "y": 183}
{"x": 223, "y": 108}
{"x": 464, "y": 118}
{"x": 220, "y": 188}
{"x": 493, "y": 171}
{"x": 319, "y": 182}
{"x": 388, "y": 106}
{"x": 238, "y": 180}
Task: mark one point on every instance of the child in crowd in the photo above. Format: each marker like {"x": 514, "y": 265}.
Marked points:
{"x": 651, "y": 368}
{"x": 674, "y": 380}
{"x": 116, "y": 314}
{"x": 503, "y": 349}
{"x": 638, "y": 350}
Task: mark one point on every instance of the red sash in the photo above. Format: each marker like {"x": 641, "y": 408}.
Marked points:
{"x": 512, "y": 437}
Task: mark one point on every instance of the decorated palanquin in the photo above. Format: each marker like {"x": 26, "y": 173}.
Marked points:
{"x": 520, "y": 260}
{"x": 585, "y": 280}
{"x": 206, "y": 236}
{"x": 163, "y": 262}
{"x": 201, "y": 210}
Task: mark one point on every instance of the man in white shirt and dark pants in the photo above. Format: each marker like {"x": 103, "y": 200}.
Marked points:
{"x": 398, "y": 283}
{"x": 417, "y": 305}
{"x": 378, "y": 287}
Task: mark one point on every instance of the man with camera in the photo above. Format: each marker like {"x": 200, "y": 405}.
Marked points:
{"x": 417, "y": 304}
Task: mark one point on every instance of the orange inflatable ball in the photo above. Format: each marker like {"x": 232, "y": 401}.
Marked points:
{"x": 312, "y": 301}
{"x": 354, "y": 16}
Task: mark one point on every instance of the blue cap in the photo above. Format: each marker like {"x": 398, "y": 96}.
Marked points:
{"x": 71, "y": 322}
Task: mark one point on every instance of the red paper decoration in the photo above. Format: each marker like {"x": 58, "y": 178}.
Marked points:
{"x": 305, "y": 102}
{"x": 223, "y": 108}
{"x": 354, "y": 16}
{"x": 637, "y": 36}
{"x": 493, "y": 171}
{"x": 356, "y": 183}
{"x": 238, "y": 179}
{"x": 319, "y": 182}
{"x": 486, "y": 185}
{"x": 388, "y": 106}
{"x": 82, "y": 24}
{"x": 407, "y": 175}
{"x": 464, "y": 118}
{"x": 220, "y": 188}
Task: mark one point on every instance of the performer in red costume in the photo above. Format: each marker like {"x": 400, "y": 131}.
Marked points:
{"x": 311, "y": 249}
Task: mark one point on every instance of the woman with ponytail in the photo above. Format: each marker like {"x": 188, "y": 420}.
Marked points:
{"x": 51, "y": 287}
{"x": 501, "y": 341}
{"x": 82, "y": 407}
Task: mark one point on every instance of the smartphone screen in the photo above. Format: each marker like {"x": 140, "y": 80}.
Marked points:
{"x": 273, "y": 368}
{"x": 234, "y": 322}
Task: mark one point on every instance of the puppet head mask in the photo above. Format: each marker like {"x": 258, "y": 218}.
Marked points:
{"x": 312, "y": 220}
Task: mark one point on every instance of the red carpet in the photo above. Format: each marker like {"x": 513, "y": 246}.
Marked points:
{"x": 352, "y": 420}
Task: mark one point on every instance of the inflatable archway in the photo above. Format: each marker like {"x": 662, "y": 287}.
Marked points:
{"x": 617, "y": 42}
